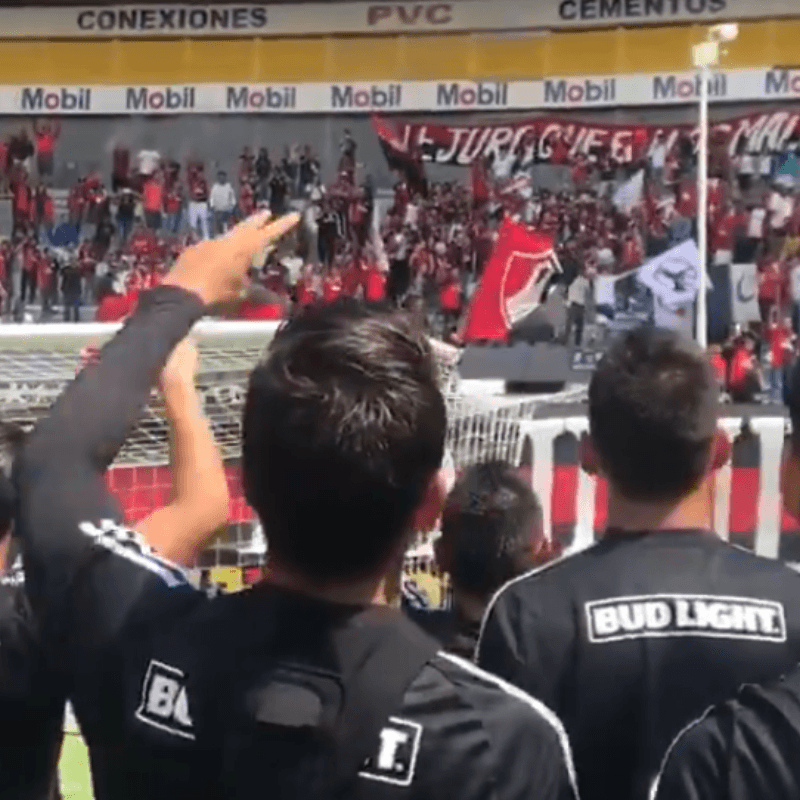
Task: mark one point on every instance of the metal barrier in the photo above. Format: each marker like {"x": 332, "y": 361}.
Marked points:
{"x": 540, "y": 435}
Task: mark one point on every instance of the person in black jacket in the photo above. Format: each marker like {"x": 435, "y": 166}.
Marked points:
{"x": 631, "y": 639}
{"x": 491, "y": 532}
{"x": 31, "y": 694}
{"x": 746, "y": 748}
{"x": 276, "y": 688}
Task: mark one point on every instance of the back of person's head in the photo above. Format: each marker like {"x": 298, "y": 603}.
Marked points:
{"x": 653, "y": 406}
{"x": 11, "y": 441}
{"x": 344, "y": 429}
{"x": 491, "y": 529}
{"x": 790, "y": 473}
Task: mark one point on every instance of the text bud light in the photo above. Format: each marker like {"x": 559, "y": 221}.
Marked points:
{"x": 146, "y": 98}
{"x": 261, "y": 98}
{"x": 64, "y": 99}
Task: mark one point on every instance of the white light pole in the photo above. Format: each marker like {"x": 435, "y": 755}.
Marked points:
{"x": 705, "y": 56}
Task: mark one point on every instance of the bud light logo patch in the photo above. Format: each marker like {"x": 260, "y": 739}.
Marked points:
{"x": 395, "y": 758}
{"x": 668, "y": 615}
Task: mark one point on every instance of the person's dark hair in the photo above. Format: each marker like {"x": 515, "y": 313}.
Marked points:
{"x": 653, "y": 406}
{"x": 491, "y": 519}
{"x": 11, "y": 441}
{"x": 792, "y": 397}
{"x": 344, "y": 428}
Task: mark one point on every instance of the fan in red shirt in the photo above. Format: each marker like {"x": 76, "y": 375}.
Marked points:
{"x": 744, "y": 376}
{"x": 718, "y": 364}
{"x": 142, "y": 243}
{"x": 781, "y": 338}
{"x": 773, "y": 286}
{"x": 260, "y": 303}
{"x": 22, "y": 206}
{"x": 375, "y": 284}
{"x": 332, "y": 285}
{"x": 247, "y": 199}
{"x": 305, "y": 289}
{"x": 686, "y": 202}
{"x": 450, "y": 299}
{"x": 46, "y": 134}
{"x": 29, "y": 257}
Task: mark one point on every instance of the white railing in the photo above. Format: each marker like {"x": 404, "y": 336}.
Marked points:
{"x": 497, "y": 436}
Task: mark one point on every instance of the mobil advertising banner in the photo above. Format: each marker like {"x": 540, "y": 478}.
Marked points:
{"x": 402, "y": 96}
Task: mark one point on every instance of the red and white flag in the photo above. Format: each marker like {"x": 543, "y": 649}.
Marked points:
{"x": 512, "y": 284}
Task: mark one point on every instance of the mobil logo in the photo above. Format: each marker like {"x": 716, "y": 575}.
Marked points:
{"x": 472, "y": 95}
{"x": 684, "y": 87}
{"x": 261, "y": 98}
{"x": 583, "y": 92}
{"x": 167, "y": 98}
{"x": 65, "y": 99}
{"x": 349, "y": 96}
{"x": 783, "y": 82}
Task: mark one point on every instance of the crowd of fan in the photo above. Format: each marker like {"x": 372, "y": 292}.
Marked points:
{"x": 427, "y": 250}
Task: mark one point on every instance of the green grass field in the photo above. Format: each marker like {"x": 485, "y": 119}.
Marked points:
{"x": 76, "y": 778}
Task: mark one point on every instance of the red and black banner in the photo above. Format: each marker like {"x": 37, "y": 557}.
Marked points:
{"x": 544, "y": 138}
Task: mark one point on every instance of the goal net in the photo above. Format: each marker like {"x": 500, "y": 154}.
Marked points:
{"x": 36, "y": 361}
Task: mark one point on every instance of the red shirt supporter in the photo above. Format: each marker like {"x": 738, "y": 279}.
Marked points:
{"x": 44, "y": 271}
{"x": 23, "y": 199}
{"x": 173, "y": 199}
{"x": 723, "y": 234}
{"x": 198, "y": 187}
{"x": 780, "y": 344}
{"x": 741, "y": 366}
{"x": 450, "y": 294}
{"x": 772, "y": 288}
{"x": 247, "y": 203}
{"x": 686, "y": 204}
{"x": 113, "y": 308}
{"x": 46, "y": 137}
{"x": 251, "y": 310}
{"x": 720, "y": 367}
{"x": 30, "y": 257}
{"x": 375, "y": 291}
{"x": 332, "y": 287}
{"x": 305, "y": 294}
{"x": 143, "y": 243}
{"x": 152, "y": 195}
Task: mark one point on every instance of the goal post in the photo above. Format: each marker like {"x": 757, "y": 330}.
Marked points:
{"x": 37, "y": 360}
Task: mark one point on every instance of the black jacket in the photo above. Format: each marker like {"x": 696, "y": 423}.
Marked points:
{"x": 169, "y": 685}
{"x": 630, "y": 640}
{"x": 32, "y": 699}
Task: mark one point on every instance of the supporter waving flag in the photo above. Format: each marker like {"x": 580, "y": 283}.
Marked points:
{"x": 513, "y": 283}
{"x": 400, "y": 158}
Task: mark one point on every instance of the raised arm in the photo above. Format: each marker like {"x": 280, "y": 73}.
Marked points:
{"x": 71, "y": 530}
{"x": 199, "y": 506}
